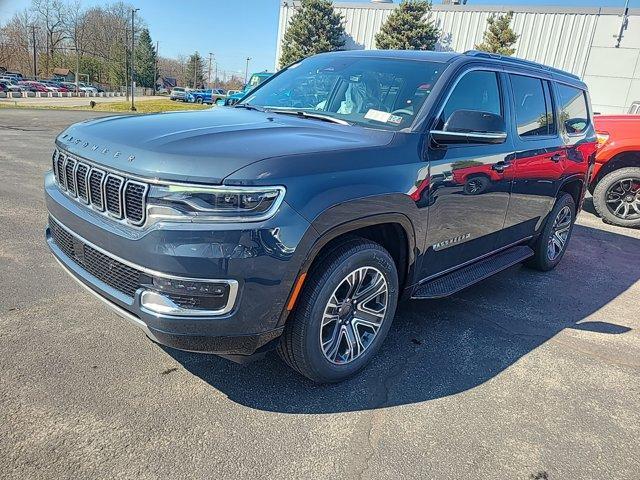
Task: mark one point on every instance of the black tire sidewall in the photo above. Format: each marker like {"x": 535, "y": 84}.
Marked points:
{"x": 600, "y": 196}
{"x": 334, "y": 273}
{"x": 542, "y": 261}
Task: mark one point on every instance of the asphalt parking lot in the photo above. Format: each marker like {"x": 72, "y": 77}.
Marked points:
{"x": 526, "y": 375}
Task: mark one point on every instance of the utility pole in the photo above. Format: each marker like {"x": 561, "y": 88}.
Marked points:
{"x": 246, "y": 70}
{"x": 156, "y": 72}
{"x": 133, "y": 49}
{"x": 210, "y": 55}
{"x": 195, "y": 70}
{"x": 126, "y": 62}
{"x": 35, "y": 64}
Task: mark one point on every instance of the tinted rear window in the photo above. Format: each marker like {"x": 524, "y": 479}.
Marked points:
{"x": 533, "y": 108}
{"x": 573, "y": 109}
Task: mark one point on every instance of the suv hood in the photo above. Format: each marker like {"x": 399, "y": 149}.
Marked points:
{"x": 207, "y": 146}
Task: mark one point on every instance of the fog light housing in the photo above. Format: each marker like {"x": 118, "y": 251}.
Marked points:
{"x": 187, "y": 297}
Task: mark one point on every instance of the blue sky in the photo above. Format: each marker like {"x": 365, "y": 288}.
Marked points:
{"x": 236, "y": 29}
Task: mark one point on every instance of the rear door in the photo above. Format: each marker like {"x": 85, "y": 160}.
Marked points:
{"x": 540, "y": 156}
{"x": 469, "y": 183}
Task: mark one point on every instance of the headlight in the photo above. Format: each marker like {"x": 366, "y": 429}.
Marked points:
{"x": 213, "y": 204}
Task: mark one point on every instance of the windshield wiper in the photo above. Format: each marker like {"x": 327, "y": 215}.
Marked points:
{"x": 248, "y": 106}
{"x": 315, "y": 116}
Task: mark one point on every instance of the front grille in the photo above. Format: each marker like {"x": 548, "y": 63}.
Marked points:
{"x": 113, "y": 195}
{"x": 116, "y": 195}
{"x": 116, "y": 274}
{"x": 82, "y": 174}
{"x": 96, "y": 178}
{"x": 134, "y": 195}
{"x": 69, "y": 165}
{"x": 120, "y": 276}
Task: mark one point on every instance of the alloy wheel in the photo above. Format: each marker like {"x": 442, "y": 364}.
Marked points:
{"x": 623, "y": 198}
{"x": 354, "y": 314}
{"x": 559, "y": 233}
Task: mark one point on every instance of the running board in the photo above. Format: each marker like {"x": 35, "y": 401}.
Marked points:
{"x": 465, "y": 277}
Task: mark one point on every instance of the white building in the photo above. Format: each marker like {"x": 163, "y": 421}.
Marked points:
{"x": 601, "y": 45}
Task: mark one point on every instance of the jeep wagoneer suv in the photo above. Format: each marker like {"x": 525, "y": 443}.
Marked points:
{"x": 298, "y": 218}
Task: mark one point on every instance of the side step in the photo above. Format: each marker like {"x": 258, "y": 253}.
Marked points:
{"x": 464, "y": 277}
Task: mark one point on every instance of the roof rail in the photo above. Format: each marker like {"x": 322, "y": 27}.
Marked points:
{"x": 519, "y": 61}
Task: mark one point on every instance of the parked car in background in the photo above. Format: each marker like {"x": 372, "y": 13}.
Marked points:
{"x": 615, "y": 181}
{"x": 87, "y": 88}
{"x": 178, "y": 93}
{"x": 298, "y": 218}
{"x": 210, "y": 96}
{"x": 255, "y": 80}
{"x": 634, "y": 109}
{"x": 9, "y": 86}
{"x": 33, "y": 86}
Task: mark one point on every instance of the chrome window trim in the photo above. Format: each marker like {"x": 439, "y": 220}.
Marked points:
{"x": 144, "y": 203}
{"x": 120, "y": 214}
{"x": 233, "y": 284}
{"x": 492, "y": 136}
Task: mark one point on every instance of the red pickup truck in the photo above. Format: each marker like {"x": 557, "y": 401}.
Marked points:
{"x": 615, "y": 181}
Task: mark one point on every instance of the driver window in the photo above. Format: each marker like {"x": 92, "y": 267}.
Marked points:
{"x": 477, "y": 91}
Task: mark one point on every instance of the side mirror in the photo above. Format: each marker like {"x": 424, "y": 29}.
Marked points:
{"x": 471, "y": 126}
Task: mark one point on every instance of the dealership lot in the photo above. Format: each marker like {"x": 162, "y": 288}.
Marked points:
{"x": 521, "y": 376}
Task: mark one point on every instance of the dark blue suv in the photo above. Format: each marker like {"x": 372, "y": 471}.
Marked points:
{"x": 298, "y": 218}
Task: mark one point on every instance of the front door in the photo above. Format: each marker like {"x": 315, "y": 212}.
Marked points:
{"x": 469, "y": 183}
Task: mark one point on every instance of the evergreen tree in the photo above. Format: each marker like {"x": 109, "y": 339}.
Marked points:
{"x": 145, "y": 58}
{"x": 195, "y": 71}
{"x": 407, "y": 29}
{"x": 499, "y": 38}
{"x": 314, "y": 28}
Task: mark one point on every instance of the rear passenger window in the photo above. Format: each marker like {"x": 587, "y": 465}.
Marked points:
{"x": 477, "y": 91}
{"x": 534, "y": 111}
{"x": 573, "y": 109}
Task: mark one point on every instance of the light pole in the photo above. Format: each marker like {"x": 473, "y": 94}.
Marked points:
{"x": 210, "y": 55}
{"x": 246, "y": 70}
{"x": 133, "y": 46}
{"x": 35, "y": 61}
{"x": 156, "y": 72}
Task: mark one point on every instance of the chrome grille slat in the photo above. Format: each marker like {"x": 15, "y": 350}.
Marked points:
{"x": 69, "y": 175}
{"x": 82, "y": 177}
{"x": 134, "y": 201}
{"x": 61, "y": 176}
{"x": 96, "y": 195}
{"x": 114, "y": 195}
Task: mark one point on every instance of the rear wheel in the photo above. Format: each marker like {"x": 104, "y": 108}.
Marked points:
{"x": 617, "y": 197}
{"x": 550, "y": 246}
{"x": 343, "y": 314}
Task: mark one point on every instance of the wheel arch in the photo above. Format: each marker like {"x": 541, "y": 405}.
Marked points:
{"x": 394, "y": 231}
{"x": 628, "y": 158}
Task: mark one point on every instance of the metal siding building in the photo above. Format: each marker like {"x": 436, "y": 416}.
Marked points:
{"x": 579, "y": 40}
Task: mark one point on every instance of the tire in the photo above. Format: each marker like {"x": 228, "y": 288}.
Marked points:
{"x": 543, "y": 259}
{"x": 476, "y": 185}
{"x": 612, "y": 185}
{"x": 199, "y": 101}
{"x": 306, "y": 344}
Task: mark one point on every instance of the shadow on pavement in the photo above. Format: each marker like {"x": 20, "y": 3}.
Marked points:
{"x": 443, "y": 347}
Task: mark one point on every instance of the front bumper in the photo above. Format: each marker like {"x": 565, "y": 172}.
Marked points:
{"x": 262, "y": 261}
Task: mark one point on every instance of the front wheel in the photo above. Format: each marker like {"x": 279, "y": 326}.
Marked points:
{"x": 343, "y": 314}
{"x": 617, "y": 197}
{"x": 550, "y": 246}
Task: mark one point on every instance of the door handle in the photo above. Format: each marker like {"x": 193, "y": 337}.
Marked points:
{"x": 556, "y": 157}
{"x": 500, "y": 166}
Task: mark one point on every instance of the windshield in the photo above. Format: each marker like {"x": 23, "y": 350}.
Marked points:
{"x": 373, "y": 92}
